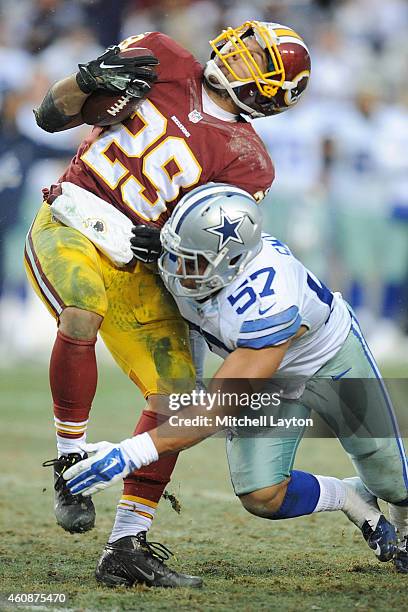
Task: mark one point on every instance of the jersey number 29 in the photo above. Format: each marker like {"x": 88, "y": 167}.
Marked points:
{"x": 157, "y": 150}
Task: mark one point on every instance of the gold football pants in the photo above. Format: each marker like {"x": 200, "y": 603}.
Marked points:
{"x": 141, "y": 327}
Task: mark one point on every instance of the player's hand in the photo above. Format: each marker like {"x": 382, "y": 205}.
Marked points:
{"x": 145, "y": 243}
{"x": 107, "y": 464}
{"x": 132, "y": 75}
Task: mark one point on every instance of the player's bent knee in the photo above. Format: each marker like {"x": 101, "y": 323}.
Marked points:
{"x": 79, "y": 324}
{"x": 383, "y": 471}
{"x": 265, "y": 502}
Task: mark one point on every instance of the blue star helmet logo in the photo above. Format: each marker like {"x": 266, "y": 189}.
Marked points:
{"x": 227, "y": 230}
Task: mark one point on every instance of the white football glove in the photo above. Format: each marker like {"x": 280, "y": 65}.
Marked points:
{"x": 109, "y": 463}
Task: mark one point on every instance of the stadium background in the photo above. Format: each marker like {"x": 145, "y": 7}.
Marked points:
{"x": 340, "y": 200}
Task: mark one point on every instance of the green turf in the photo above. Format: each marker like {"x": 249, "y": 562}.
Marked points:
{"x": 313, "y": 563}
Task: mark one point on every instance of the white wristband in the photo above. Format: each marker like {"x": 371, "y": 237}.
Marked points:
{"x": 140, "y": 450}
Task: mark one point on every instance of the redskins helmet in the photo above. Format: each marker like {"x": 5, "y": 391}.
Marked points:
{"x": 262, "y": 93}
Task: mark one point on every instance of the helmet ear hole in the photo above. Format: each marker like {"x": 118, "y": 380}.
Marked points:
{"x": 235, "y": 260}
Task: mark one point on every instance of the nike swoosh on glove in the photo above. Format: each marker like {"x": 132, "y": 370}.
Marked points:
{"x": 145, "y": 243}
{"x": 109, "y": 463}
{"x": 109, "y": 71}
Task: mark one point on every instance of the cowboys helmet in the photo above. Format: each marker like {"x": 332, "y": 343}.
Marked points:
{"x": 262, "y": 93}
{"x": 214, "y": 231}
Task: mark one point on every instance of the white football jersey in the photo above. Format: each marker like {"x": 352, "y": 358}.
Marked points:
{"x": 265, "y": 306}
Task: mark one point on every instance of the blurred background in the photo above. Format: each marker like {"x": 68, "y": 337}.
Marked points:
{"x": 340, "y": 198}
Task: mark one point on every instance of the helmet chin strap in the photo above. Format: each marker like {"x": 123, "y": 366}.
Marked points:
{"x": 220, "y": 81}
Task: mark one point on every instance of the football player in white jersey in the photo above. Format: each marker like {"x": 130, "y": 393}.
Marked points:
{"x": 268, "y": 316}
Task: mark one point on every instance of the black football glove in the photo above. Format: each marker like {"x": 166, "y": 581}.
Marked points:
{"x": 145, "y": 243}
{"x": 131, "y": 75}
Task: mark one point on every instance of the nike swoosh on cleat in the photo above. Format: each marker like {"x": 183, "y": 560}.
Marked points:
{"x": 103, "y": 65}
{"x": 377, "y": 550}
{"x": 147, "y": 576}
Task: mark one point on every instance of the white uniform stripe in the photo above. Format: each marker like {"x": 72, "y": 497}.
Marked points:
{"x": 292, "y": 39}
{"x": 69, "y": 428}
{"x": 134, "y": 506}
{"x": 44, "y": 289}
{"x": 74, "y": 423}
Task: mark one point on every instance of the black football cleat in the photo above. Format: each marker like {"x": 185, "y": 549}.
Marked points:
{"x": 74, "y": 513}
{"x": 401, "y": 557}
{"x": 133, "y": 560}
{"x": 382, "y": 540}
{"x": 379, "y": 533}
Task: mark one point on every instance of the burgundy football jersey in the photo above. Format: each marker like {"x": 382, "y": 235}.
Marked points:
{"x": 144, "y": 165}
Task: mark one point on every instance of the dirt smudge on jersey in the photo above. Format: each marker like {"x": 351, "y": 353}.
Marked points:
{"x": 244, "y": 147}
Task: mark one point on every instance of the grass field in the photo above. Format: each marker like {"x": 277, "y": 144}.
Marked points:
{"x": 312, "y": 563}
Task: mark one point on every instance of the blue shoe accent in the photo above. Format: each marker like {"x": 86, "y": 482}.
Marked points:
{"x": 401, "y": 557}
{"x": 382, "y": 540}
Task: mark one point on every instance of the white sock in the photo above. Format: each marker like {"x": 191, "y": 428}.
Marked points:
{"x": 133, "y": 514}
{"x": 399, "y": 518}
{"x": 359, "y": 504}
{"x": 332, "y": 494}
{"x": 65, "y": 446}
{"x": 70, "y": 445}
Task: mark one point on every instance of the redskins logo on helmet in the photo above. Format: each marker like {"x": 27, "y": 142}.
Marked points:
{"x": 263, "y": 93}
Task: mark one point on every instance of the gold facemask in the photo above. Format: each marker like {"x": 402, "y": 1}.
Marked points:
{"x": 268, "y": 83}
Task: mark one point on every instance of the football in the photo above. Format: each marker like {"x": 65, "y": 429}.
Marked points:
{"x": 104, "y": 108}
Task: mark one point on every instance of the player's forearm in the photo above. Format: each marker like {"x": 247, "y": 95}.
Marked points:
{"x": 195, "y": 423}
{"x": 61, "y": 106}
{"x": 167, "y": 441}
{"x": 237, "y": 376}
{"x": 67, "y": 95}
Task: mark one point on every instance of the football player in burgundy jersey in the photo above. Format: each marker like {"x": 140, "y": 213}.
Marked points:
{"x": 189, "y": 129}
